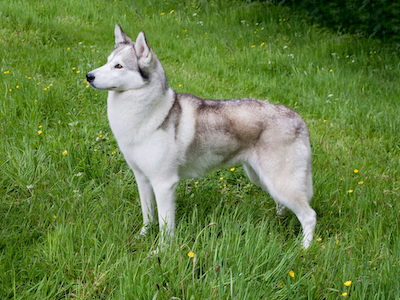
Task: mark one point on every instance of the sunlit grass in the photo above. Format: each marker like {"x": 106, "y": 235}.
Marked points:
{"x": 69, "y": 206}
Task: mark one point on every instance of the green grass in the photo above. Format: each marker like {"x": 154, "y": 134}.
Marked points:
{"x": 69, "y": 223}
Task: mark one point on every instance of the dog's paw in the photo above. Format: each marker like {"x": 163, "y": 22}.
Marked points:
{"x": 280, "y": 209}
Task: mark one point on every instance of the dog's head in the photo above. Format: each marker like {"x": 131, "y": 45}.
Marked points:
{"x": 128, "y": 67}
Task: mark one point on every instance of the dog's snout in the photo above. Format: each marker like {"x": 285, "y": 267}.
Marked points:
{"x": 90, "y": 77}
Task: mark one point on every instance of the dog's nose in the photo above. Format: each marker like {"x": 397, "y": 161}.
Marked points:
{"x": 90, "y": 77}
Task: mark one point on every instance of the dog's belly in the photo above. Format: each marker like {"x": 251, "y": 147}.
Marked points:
{"x": 206, "y": 162}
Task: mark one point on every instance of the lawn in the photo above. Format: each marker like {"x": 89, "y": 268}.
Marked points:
{"x": 69, "y": 207}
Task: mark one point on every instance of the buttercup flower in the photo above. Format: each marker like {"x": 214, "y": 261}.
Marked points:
{"x": 65, "y": 152}
{"x": 344, "y": 294}
{"x": 355, "y": 171}
{"x": 191, "y": 254}
{"x": 291, "y": 273}
{"x": 347, "y": 283}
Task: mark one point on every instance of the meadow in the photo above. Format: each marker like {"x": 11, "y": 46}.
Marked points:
{"x": 69, "y": 207}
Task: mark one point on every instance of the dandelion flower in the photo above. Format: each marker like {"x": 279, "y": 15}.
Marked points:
{"x": 347, "y": 283}
{"x": 344, "y": 294}
{"x": 319, "y": 239}
{"x": 50, "y": 84}
{"x": 77, "y": 72}
{"x": 17, "y": 86}
{"x": 331, "y": 70}
{"x": 360, "y": 182}
{"x": 355, "y": 171}
{"x": 262, "y": 44}
{"x": 233, "y": 169}
{"x": 171, "y": 11}
{"x": 40, "y": 126}
{"x": 68, "y": 48}
{"x": 291, "y": 273}
{"x": 221, "y": 178}
{"x": 65, "y": 152}
{"x": 351, "y": 191}
{"x": 180, "y": 85}
{"x": 191, "y": 254}
{"x": 39, "y": 132}
{"x": 73, "y": 68}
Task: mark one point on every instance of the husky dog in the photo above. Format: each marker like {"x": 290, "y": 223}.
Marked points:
{"x": 166, "y": 136}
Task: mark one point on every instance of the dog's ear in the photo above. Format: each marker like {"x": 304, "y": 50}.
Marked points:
{"x": 143, "y": 50}
{"x": 120, "y": 36}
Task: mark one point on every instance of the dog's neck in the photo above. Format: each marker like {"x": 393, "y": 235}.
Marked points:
{"x": 138, "y": 113}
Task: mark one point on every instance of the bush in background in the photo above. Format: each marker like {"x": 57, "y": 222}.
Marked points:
{"x": 371, "y": 18}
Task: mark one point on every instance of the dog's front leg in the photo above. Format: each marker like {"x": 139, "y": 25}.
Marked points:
{"x": 165, "y": 198}
{"x": 146, "y": 199}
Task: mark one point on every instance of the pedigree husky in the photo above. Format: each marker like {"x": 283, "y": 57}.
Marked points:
{"x": 166, "y": 136}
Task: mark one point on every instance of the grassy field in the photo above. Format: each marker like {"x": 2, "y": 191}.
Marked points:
{"x": 69, "y": 206}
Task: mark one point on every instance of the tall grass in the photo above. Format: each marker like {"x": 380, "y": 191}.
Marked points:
{"x": 70, "y": 212}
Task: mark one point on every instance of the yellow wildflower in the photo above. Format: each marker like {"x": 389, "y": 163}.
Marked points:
{"x": 162, "y": 13}
{"x": 344, "y": 294}
{"x": 291, "y": 273}
{"x": 360, "y": 182}
{"x": 319, "y": 239}
{"x": 233, "y": 169}
{"x": 355, "y": 171}
{"x": 65, "y": 152}
{"x": 191, "y": 254}
{"x": 39, "y": 132}
{"x": 347, "y": 283}
{"x": 351, "y": 191}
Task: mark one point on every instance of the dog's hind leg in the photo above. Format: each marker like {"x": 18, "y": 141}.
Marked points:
{"x": 290, "y": 184}
{"x": 254, "y": 178}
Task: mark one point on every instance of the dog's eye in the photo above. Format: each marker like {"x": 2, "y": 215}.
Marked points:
{"x": 118, "y": 66}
